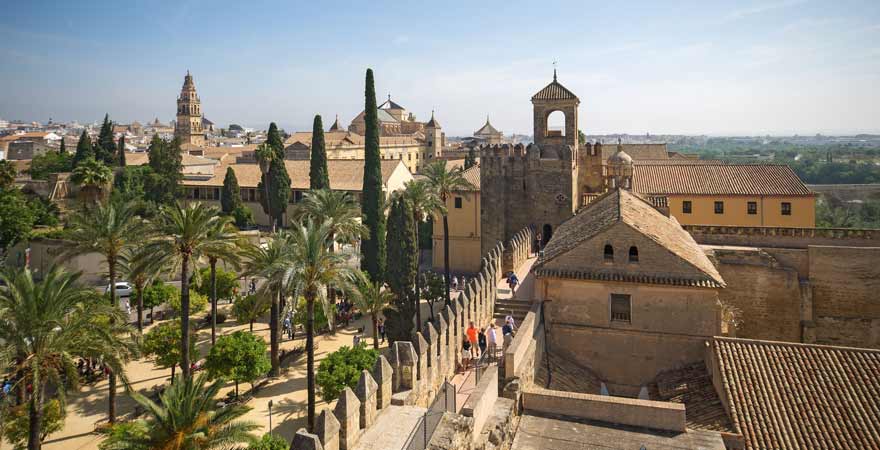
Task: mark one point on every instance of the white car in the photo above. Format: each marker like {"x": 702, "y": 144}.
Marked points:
{"x": 123, "y": 289}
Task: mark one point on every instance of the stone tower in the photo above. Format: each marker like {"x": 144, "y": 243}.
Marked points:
{"x": 537, "y": 185}
{"x": 434, "y": 136}
{"x": 189, "y": 115}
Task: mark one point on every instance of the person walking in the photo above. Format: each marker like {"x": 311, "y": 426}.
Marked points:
{"x": 465, "y": 354}
{"x": 472, "y": 338}
{"x": 492, "y": 341}
{"x": 512, "y": 281}
{"x": 481, "y": 341}
{"x": 381, "y": 327}
{"x": 454, "y": 283}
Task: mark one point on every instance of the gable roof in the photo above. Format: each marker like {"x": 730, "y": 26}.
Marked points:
{"x": 623, "y": 206}
{"x": 554, "y": 91}
{"x": 788, "y": 395}
{"x": 390, "y": 104}
{"x": 718, "y": 179}
{"x": 472, "y": 176}
{"x": 637, "y": 151}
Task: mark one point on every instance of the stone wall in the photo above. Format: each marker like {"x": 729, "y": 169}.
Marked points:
{"x": 518, "y": 249}
{"x": 782, "y": 237}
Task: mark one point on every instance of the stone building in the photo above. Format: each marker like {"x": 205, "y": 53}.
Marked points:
{"x": 487, "y": 134}
{"x": 188, "y": 127}
{"x": 463, "y": 210}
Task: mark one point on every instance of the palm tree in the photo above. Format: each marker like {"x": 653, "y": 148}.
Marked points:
{"x": 111, "y": 231}
{"x": 425, "y": 203}
{"x": 269, "y": 262}
{"x": 371, "y": 298}
{"x": 444, "y": 183}
{"x": 179, "y": 237}
{"x": 139, "y": 270}
{"x": 311, "y": 268}
{"x": 224, "y": 246}
{"x": 46, "y": 326}
{"x": 342, "y": 214}
{"x": 187, "y": 417}
{"x": 92, "y": 177}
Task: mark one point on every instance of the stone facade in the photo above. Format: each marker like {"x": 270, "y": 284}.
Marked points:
{"x": 189, "y": 115}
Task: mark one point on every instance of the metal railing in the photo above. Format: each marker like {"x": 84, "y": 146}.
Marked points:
{"x": 444, "y": 401}
{"x": 481, "y": 365}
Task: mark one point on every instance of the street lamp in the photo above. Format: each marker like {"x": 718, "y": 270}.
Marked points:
{"x": 270, "y": 416}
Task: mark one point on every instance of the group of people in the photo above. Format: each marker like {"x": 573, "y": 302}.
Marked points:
{"x": 484, "y": 341}
{"x": 454, "y": 283}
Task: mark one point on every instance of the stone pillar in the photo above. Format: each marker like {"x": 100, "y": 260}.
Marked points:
{"x": 382, "y": 375}
{"x": 304, "y": 440}
{"x": 443, "y": 349}
{"x": 347, "y": 412}
{"x": 474, "y": 302}
{"x": 460, "y": 327}
{"x": 433, "y": 360}
{"x": 488, "y": 302}
{"x": 366, "y": 392}
{"x": 421, "y": 346}
{"x": 327, "y": 429}
{"x": 403, "y": 365}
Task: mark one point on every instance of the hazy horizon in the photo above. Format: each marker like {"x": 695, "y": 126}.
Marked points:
{"x": 780, "y": 67}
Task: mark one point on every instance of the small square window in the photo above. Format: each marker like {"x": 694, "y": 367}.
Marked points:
{"x": 457, "y": 202}
{"x": 719, "y": 207}
{"x": 686, "y": 206}
{"x": 753, "y": 208}
{"x": 621, "y": 308}
{"x": 786, "y": 208}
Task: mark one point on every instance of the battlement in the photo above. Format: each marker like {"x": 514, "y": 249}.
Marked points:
{"x": 785, "y": 237}
{"x": 410, "y": 372}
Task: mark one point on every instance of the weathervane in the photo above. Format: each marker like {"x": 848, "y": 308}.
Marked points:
{"x": 554, "y": 70}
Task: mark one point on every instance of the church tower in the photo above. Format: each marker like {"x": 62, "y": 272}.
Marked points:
{"x": 434, "y": 136}
{"x": 189, "y": 115}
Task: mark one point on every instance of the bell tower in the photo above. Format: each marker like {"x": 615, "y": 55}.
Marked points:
{"x": 555, "y": 99}
{"x": 189, "y": 114}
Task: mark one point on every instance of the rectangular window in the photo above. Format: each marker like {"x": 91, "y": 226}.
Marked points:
{"x": 753, "y": 208}
{"x": 786, "y": 208}
{"x": 686, "y": 206}
{"x": 457, "y": 202}
{"x": 719, "y": 207}
{"x": 620, "y": 308}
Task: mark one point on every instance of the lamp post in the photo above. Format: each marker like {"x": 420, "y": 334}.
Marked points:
{"x": 270, "y": 416}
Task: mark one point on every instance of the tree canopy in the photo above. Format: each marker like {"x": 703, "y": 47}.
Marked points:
{"x": 319, "y": 177}
{"x": 372, "y": 202}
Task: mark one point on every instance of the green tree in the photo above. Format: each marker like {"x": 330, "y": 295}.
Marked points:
{"x": 265, "y": 155}
{"x": 444, "y": 183}
{"x": 434, "y": 289}
{"x": 7, "y": 174}
{"x": 165, "y": 160}
{"x": 273, "y": 139}
{"x": 240, "y": 356}
{"x": 343, "y": 368}
{"x": 140, "y": 273}
{"x": 270, "y": 263}
{"x": 470, "y": 160}
{"x": 105, "y": 147}
{"x": 249, "y": 308}
{"x": 110, "y": 230}
{"x": 224, "y": 246}
{"x": 47, "y": 326}
{"x": 403, "y": 250}
{"x": 16, "y": 424}
{"x": 424, "y": 203}
{"x": 180, "y": 236}
{"x": 187, "y": 417}
{"x": 372, "y": 203}
{"x": 84, "y": 149}
{"x": 48, "y": 163}
{"x": 163, "y": 343}
{"x": 319, "y": 177}
{"x": 62, "y": 150}
{"x": 270, "y": 441}
{"x": 278, "y": 191}
{"x": 230, "y": 196}
{"x": 120, "y": 152}
{"x": 17, "y": 218}
{"x": 372, "y": 298}
{"x": 311, "y": 269}
{"x": 227, "y": 282}
{"x": 197, "y": 303}
{"x": 158, "y": 293}
{"x": 93, "y": 179}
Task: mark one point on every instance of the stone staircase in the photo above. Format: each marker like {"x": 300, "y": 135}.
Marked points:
{"x": 511, "y": 307}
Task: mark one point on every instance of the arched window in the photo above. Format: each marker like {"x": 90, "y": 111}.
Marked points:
{"x": 633, "y": 254}
{"x": 555, "y": 124}
{"x": 609, "y": 252}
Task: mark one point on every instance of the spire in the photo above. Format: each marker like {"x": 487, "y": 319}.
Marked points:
{"x": 335, "y": 126}
{"x": 554, "y": 74}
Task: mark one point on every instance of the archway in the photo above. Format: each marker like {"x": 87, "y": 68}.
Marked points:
{"x": 555, "y": 124}
{"x": 546, "y": 234}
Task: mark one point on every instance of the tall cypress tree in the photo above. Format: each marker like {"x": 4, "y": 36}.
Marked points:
{"x": 84, "y": 149}
{"x": 279, "y": 190}
{"x": 319, "y": 176}
{"x": 401, "y": 276}
{"x": 273, "y": 138}
{"x": 120, "y": 151}
{"x": 63, "y": 149}
{"x": 230, "y": 198}
{"x": 372, "y": 203}
{"x": 105, "y": 147}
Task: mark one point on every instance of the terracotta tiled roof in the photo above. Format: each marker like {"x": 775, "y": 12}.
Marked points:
{"x": 331, "y": 138}
{"x": 345, "y": 174}
{"x": 692, "y": 386}
{"x": 717, "y": 179}
{"x": 623, "y": 206}
{"x": 785, "y": 395}
{"x": 141, "y": 158}
{"x": 554, "y": 91}
{"x": 637, "y": 151}
{"x": 674, "y": 161}
{"x": 472, "y": 176}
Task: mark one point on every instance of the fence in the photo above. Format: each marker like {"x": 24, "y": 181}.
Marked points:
{"x": 444, "y": 401}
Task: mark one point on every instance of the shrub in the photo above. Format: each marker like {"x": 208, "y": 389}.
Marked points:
{"x": 249, "y": 308}
{"x": 227, "y": 281}
{"x": 240, "y": 356}
{"x": 299, "y": 317}
{"x": 343, "y": 368}
{"x": 197, "y": 303}
{"x": 159, "y": 293}
{"x": 163, "y": 344}
{"x": 17, "y": 422}
{"x": 270, "y": 441}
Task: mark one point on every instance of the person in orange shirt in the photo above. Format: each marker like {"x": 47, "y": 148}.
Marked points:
{"x": 472, "y": 337}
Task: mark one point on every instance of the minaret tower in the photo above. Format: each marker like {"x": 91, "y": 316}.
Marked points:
{"x": 189, "y": 115}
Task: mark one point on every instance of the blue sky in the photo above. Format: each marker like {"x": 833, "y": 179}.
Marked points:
{"x": 779, "y": 67}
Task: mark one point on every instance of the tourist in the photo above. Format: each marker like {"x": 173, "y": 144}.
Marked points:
{"x": 509, "y": 321}
{"x": 253, "y": 289}
{"x": 288, "y": 327}
{"x": 512, "y": 281}
{"x": 465, "y": 355}
{"x": 380, "y": 325}
{"x": 492, "y": 340}
{"x": 537, "y": 243}
{"x": 357, "y": 340}
{"x": 454, "y": 283}
{"x": 481, "y": 339}
{"x": 508, "y": 339}
{"x": 472, "y": 337}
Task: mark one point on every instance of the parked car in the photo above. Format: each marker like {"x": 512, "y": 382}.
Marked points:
{"x": 123, "y": 289}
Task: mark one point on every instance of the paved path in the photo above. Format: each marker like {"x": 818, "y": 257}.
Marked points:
{"x": 392, "y": 428}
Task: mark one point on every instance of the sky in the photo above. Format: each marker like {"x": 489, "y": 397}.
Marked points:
{"x": 673, "y": 67}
